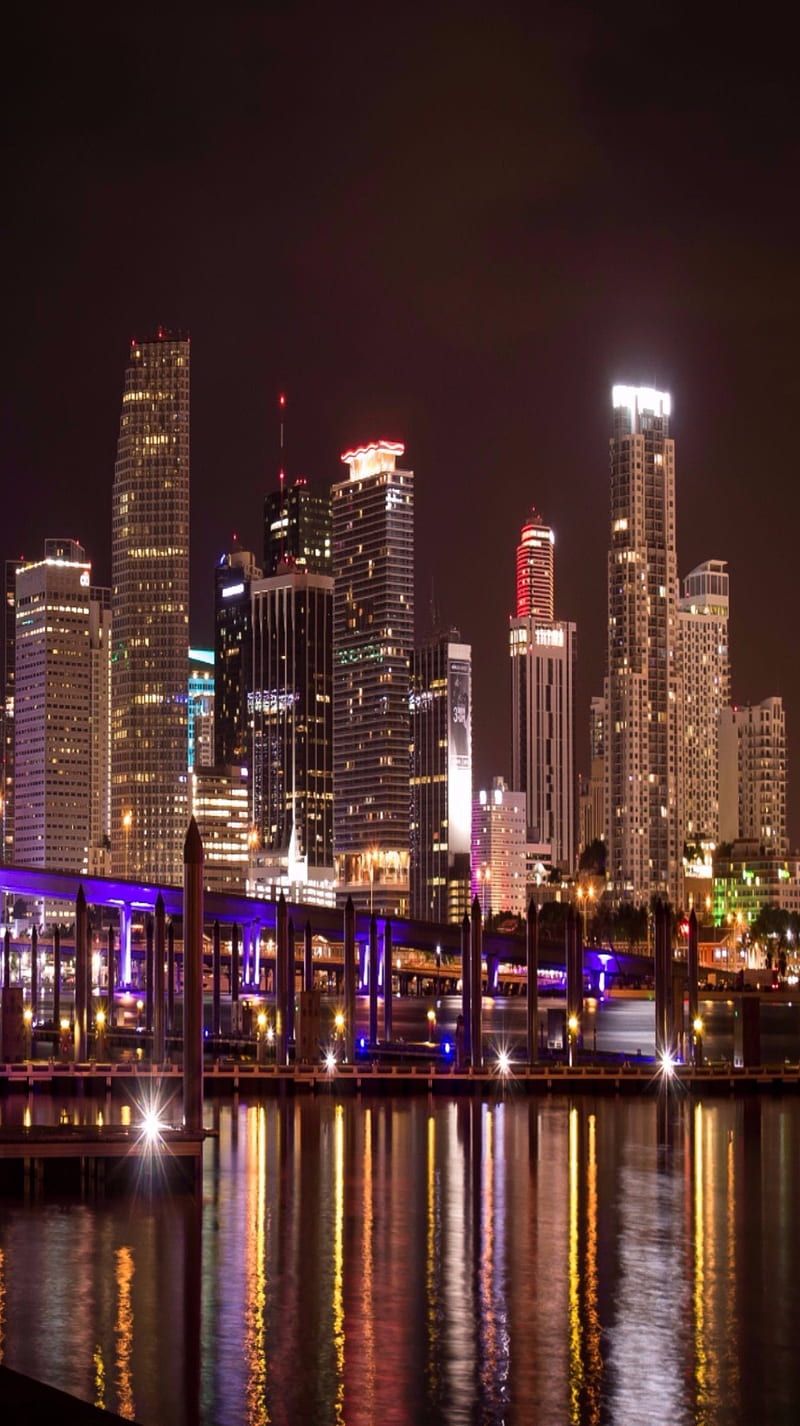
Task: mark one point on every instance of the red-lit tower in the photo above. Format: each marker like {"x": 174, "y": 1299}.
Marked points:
{"x": 535, "y": 597}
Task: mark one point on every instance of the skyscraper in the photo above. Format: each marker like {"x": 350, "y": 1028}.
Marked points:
{"x": 643, "y": 695}
{"x": 200, "y": 708}
{"x": 499, "y": 866}
{"x": 703, "y": 629}
{"x": 752, "y": 775}
{"x": 150, "y": 608}
{"x": 297, "y": 528}
{"x": 373, "y": 637}
{"x": 535, "y": 573}
{"x": 542, "y": 704}
{"x": 233, "y": 657}
{"x": 592, "y": 810}
{"x": 292, "y": 727}
{"x": 61, "y": 812}
{"x": 7, "y": 711}
{"x": 441, "y": 778}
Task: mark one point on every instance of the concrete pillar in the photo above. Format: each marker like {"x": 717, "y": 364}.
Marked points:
{"x": 234, "y": 979}
{"x": 532, "y": 958}
{"x": 111, "y": 976}
{"x": 350, "y": 981}
{"x": 34, "y": 972}
{"x": 476, "y": 998}
{"x": 216, "y": 984}
{"x": 308, "y": 958}
{"x": 290, "y": 986}
{"x": 171, "y": 978}
{"x": 373, "y": 982}
{"x": 692, "y": 974}
{"x": 193, "y": 979}
{"x": 388, "y": 974}
{"x": 466, "y": 982}
{"x": 148, "y": 974}
{"x": 125, "y": 944}
{"x": 6, "y": 959}
{"x": 57, "y": 979}
{"x": 257, "y": 957}
{"x": 159, "y": 1038}
{"x": 80, "y": 1042}
{"x": 281, "y": 979}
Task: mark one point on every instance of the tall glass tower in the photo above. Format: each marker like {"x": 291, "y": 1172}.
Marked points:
{"x": 150, "y": 612}
{"x": 373, "y": 639}
{"x": 643, "y": 689}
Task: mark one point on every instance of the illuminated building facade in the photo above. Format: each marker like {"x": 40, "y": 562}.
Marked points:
{"x": 752, "y": 775}
{"x": 373, "y": 638}
{"x": 643, "y": 694}
{"x": 200, "y": 705}
{"x": 291, "y": 712}
{"x": 233, "y": 656}
{"x": 150, "y": 608}
{"x": 499, "y": 850}
{"x": 535, "y": 571}
{"x": 592, "y": 788}
{"x": 220, "y": 804}
{"x": 62, "y": 713}
{"x": 7, "y": 711}
{"x": 441, "y": 779}
{"x": 297, "y": 529}
{"x": 703, "y": 629}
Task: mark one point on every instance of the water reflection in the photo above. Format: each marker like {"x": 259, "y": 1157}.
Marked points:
{"x": 427, "y": 1261}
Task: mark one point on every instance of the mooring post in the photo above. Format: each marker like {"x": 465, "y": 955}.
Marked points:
{"x": 57, "y": 979}
{"x": 388, "y": 974}
{"x": 350, "y": 981}
{"x": 281, "y": 979}
{"x": 466, "y": 983}
{"x": 216, "y": 983}
{"x": 532, "y": 957}
{"x": 148, "y": 975}
{"x": 34, "y": 973}
{"x": 193, "y": 979}
{"x": 308, "y": 958}
{"x": 373, "y": 982}
{"x": 658, "y": 977}
{"x": 290, "y": 980}
{"x": 476, "y": 1006}
{"x": 7, "y": 959}
{"x": 111, "y": 973}
{"x": 692, "y": 969}
{"x": 81, "y": 931}
{"x": 234, "y": 979}
{"x": 159, "y": 1039}
{"x": 171, "y": 978}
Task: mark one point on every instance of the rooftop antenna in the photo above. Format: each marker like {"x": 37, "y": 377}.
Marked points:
{"x": 434, "y": 610}
{"x": 281, "y": 421}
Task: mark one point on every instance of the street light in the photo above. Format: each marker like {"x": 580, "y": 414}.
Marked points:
{"x": 573, "y": 1025}
{"x": 585, "y": 894}
{"x": 484, "y": 880}
{"x": 127, "y": 823}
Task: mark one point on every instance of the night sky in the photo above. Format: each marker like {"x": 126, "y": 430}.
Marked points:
{"x": 452, "y": 226}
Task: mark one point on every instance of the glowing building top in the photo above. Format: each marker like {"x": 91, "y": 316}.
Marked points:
{"x": 535, "y": 583}
{"x": 374, "y": 459}
{"x": 640, "y": 399}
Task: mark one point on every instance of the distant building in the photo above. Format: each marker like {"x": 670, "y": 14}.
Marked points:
{"x": 441, "y": 778}
{"x": 703, "y": 628}
{"x": 591, "y": 792}
{"x": 748, "y": 877}
{"x": 373, "y": 638}
{"x": 297, "y": 529}
{"x": 7, "y": 711}
{"x": 62, "y": 713}
{"x": 200, "y": 699}
{"x": 752, "y": 775}
{"x": 643, "y": 693}
{"x": 233, "y": 656}
{"x": 535, "y": 571}
{"x": 220, "y": 804}
{"x": 499, "y": 850}
{"x": 150, "y": 608}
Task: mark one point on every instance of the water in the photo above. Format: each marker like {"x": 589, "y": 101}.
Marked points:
{"x": 409, "y": 1260}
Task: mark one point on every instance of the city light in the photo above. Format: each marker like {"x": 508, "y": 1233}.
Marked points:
{"x": 573, "y": 1024}
{"x": 503, "y": 1063}
{"x": 151, "y": 1126}
{"x": 100, "y": 1019}
{"x": 667, "y": 1064}
{"x": 697, "y": 1025}
{"x": 261, "y": 1021}
{"x": 338, "y": 1022}
{"x": 330, "y": 1062}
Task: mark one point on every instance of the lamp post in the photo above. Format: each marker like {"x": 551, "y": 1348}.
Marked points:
{"x": 585, "y": 894}
{"x": 484, "y": 880}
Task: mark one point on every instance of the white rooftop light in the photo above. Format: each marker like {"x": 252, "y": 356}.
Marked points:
{"x": 642, "y": 398}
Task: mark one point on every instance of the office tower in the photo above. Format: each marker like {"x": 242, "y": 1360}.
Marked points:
{"x": 233, "y": 654}
{"x": 499, "y": 846}
{"x": 150, "y": 612}
{"x": 7, "y": 711}
{"x": 542, "y": 705}
{"x": 592, "y": 788}
{"x": 292, "y": 729}
{"x": 373, "y": 636}
{"x": 703, "y": 631}
{"x": 62, "y": 690}
{"x": 441, "y": 778}
{"x": 752, "y": 775}
{"x": 643, "y": 695}
{"x": 220, "y": 805}
{"x": 200, "y": 708}
{"x": 297, "y": 528}
{"x": 535, "y": 574}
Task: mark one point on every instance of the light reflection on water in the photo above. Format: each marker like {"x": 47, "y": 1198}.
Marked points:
{"x": 425, "y": 1260}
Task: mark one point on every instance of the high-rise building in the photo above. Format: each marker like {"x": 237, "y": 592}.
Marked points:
{"x": 499, "y": 849}
{"x": 291, "y": 711}
{"x": 7, "y": 711}
{"x": 200, "y": 708}
{"x": 62, "y": 692}
{"x": 441, "y": 778}
{"x": 220, "y": 805}
{"x": 643, "y": 696}
{"x": 233, "y": 657}
{"x": 752, "y": 775}
{"x": 150, "y": 608}
{"x": 297, "y": 529}
{"x": 592, "y": 788}
{"x": 535, "y": 573}
{"x": 703, "y": 630}
{"x": 373, "y": 637}
{"x": 542, "y": 704}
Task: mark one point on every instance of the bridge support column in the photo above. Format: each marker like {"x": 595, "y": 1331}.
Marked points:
{"x": 476, "y": 997}
{"x": 193, "y": 979}
{"x": 81, "y": 933}
{"x": 308, "y": 958}
{"x": 387, "y": 980}
{"x": 111, "y": 973}
{"x": 349, "y": 981}
{"x": 125, "y": 943}
{"x": 159, "y": 1038}
{"x": 257, "y": 956}
{"x": 532, "y": 958}
{"x": 235, "y": 1024}
{"x": 373, "y": 982}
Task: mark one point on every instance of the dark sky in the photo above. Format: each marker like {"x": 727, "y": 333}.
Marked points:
{"x": 455, "y": 226}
